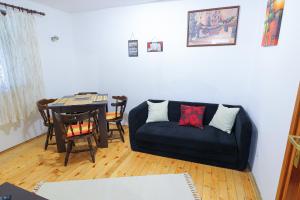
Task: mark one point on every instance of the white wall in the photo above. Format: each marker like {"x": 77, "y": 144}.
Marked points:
{"x": 273, "y": 87}
{"x": 58, "y": 63}
{"x": 263, "y": 80}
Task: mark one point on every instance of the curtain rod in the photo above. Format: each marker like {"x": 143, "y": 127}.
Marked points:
{"x": 20, "y": 9}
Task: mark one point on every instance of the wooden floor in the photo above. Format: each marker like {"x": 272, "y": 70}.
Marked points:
{"x": 28, "y": 164}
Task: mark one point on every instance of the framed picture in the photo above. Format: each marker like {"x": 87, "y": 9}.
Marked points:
{"x": 213, "y": 27}
{"x": 155, "y": 46}
{"x": 273, "y": 22}
{"x": 133, "y": 48}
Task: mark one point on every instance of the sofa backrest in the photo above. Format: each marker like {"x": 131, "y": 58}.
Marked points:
{"x": 210, "y": 109}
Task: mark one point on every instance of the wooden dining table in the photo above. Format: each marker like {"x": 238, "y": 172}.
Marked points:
{"x": 80, "y": 103}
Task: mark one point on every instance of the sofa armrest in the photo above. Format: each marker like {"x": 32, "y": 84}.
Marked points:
{"x": 137, "y": 117}
{"x": 243, "y": 132}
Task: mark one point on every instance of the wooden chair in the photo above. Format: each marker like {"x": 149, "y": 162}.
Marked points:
{"x": 46, "y": 115}
{"x": 79, "y": 126}
{"x": 116, "y": 117}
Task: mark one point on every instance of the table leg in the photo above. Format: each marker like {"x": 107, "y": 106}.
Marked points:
{"x": 103, "y": 127}
{"x": 60, "y": 142}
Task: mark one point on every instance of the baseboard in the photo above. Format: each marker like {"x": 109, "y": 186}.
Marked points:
{"x": 255, "y": 186}
{"x": 13, "y": 147}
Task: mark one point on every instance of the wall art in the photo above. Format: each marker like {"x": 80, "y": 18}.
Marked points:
{"x": 213, "y": 27}
{"x": 133, "y": 48}
{"x": 273, "y": 22}
{"x": 155, "y": 46}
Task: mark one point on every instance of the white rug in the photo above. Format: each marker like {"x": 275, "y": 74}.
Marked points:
{"x": 157, "y": 187}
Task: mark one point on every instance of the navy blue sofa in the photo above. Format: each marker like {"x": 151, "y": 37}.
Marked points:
{"x": 207, "y": 146}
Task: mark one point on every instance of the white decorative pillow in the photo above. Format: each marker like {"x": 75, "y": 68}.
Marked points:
{"x": 157, "y": 112}
{"x": 224, "y": 118}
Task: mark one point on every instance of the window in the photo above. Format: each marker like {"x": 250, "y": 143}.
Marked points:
{"x": 2, "y": 82}
{"x": 21, "y": 83}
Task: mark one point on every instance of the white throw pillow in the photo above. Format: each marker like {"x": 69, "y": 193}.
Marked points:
{"x": 157, "y": 112}
{"x": 224, "y": 118}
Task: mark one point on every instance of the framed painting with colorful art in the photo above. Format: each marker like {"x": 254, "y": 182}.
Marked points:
{"x": 213, "y": 27}
{"x": 273, "y": 22}
{"x": 155, "y": 46}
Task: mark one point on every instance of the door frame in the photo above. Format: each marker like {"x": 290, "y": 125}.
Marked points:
{"x": 287, "y": 164}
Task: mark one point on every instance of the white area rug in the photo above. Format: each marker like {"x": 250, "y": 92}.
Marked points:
{"x": 157, "y": 187}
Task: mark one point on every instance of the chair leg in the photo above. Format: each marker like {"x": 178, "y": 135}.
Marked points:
{"x": 52, "y": 132}
{"x": 96, "y": 140}
{"x": 109, "y": 132}
{"x": 48, "y": 137}
{"x": 69, "y": 149}
{"x": 122, "y": 129}
{"x": 91, "y": 149}
{"x": 119, "y": 126}
{"x": 107, "y": 126}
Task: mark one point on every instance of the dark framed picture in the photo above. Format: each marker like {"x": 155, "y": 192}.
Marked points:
{"x": 213, "y": 27}
{"x": 155, "y": 46}
{"x": 133, "y": 48}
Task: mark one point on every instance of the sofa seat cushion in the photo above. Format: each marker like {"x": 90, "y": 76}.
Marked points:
{"x": 209, "y": 139}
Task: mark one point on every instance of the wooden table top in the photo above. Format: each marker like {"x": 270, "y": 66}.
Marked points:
{"x": 76, "y": 100}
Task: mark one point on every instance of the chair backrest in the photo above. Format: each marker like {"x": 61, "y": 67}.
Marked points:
{"x": 76, "y": 121}
{"x": 84, "y": 93}
{"x": 44, "y": 110}
{"x": 120, "y": 105}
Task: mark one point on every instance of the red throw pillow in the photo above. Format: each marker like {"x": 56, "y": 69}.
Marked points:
{"x": 192, "y": 115}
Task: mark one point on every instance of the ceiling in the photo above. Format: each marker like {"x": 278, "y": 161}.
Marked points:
{"x": 90, "y": 5}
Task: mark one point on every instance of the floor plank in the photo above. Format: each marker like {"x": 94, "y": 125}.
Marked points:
{"x": 28, "y": 164}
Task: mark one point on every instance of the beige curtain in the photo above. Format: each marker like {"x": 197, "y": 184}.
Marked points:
{"x": 21, "y": 83}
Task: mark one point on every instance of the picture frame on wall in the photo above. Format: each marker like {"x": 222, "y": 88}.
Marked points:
{"x": 155, "y": 46}
{"x": 272, "y": 24}
{"x": 213, "y": 27}
{"x": 133, "y": 48}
